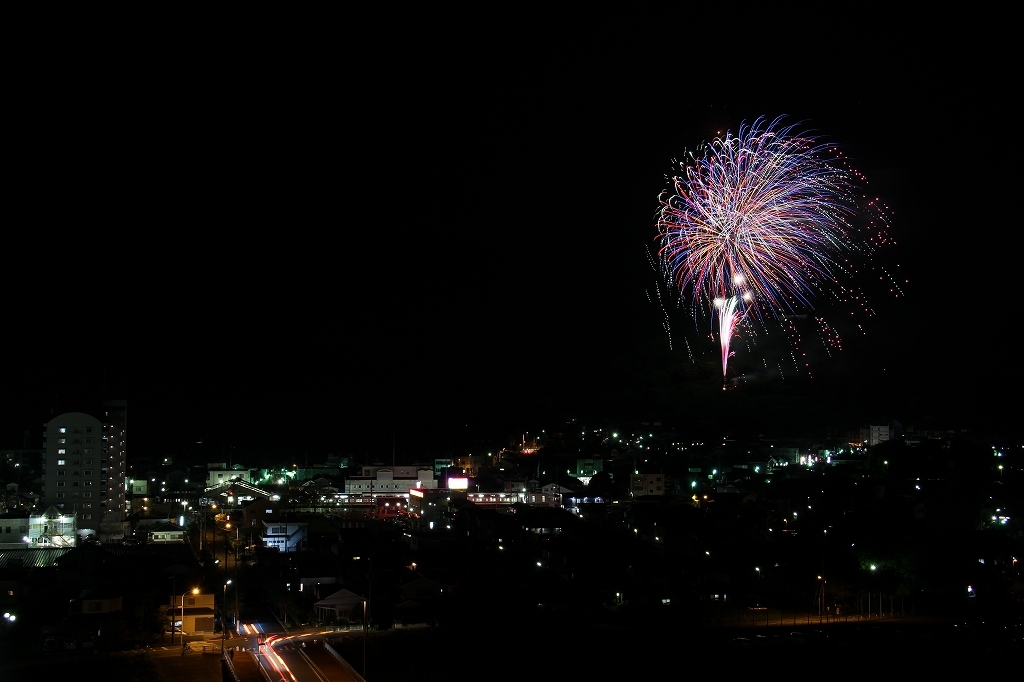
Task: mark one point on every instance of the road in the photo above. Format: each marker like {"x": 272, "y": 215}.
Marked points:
{"x": 296, "y": 656}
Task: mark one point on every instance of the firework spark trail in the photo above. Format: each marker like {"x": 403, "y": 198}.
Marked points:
{"x": 665, "y": 321}
{"x": 760, "y": 225}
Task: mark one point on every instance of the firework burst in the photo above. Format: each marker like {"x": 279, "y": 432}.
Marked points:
{"x": 763, "y": 224}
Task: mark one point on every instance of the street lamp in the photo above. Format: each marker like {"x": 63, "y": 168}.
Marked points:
{"x": 195, "y": 590}
{"x": 821, "y": 597}
{"x": 223, "y": 617}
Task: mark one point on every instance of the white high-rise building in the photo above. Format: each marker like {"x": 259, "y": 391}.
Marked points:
{"x": 84, "y": 468}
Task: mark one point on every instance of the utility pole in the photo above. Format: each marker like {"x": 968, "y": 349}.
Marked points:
{"x": 174, "y": 583}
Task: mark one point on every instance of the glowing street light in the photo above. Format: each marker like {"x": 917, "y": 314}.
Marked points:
{"x": 223, "y": 617}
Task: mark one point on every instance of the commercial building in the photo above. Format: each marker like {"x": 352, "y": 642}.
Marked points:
{"x": 380, "y": 480}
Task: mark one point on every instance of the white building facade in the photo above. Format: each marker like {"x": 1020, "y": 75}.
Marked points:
{"x": 390, "y": 480}
{"x": 284, "y": 536}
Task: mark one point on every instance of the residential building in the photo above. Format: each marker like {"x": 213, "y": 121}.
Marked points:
{"x": 84, "y": 469}
{"x": 343, "y": 605}
{"x": 167, "y": 532}
{"x": 875, "y": 434}
{"x": 193, "y": 613}
{"x": 646, "y": 484}
{"x": 14, "y": 530}
{"x": 285, "y": 536}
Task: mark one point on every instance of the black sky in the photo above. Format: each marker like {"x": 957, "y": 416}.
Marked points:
{"x": 309, "y": 250}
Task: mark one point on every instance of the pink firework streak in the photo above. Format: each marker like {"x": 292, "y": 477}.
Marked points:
{"x": 760, "y": 224}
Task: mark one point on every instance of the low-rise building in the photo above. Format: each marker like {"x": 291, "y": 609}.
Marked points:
{"x": 167, "y": 532}
{"x": 646, "y": 484}
{"x": 193, "y": 613}
{"x": 14, "y": 531}
{"x": 52, "y": 528}
{"x": 285, "y": 536}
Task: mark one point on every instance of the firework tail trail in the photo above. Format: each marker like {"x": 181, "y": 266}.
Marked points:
{"x": 728, "y": 317}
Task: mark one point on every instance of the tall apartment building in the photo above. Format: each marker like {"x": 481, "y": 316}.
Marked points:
{"x": 84, "y": 468}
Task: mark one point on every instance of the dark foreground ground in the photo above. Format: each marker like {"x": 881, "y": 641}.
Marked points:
{"x": 650, "y": 646}
{"x": 117, "y": 667}
{"x": 577, "y": 651}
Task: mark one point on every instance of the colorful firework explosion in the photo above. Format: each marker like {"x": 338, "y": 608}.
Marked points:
{"x": 764, "y": 224}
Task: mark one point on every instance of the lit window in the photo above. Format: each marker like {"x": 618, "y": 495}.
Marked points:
{"x": 62, "y": 451}
{"x": 61, "y": 462}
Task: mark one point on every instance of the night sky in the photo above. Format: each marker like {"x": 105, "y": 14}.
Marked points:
{"x": 312, "y": 251}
